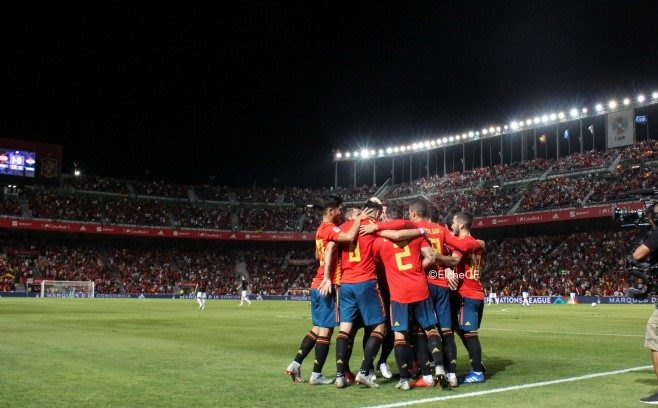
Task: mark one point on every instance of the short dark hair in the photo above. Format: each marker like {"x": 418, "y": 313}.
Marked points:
{"x": 465, "y": 218}
{"x": 420, "y": 206}
{"x": 328, "y": 201}
{"x": 434, "y": 214}
{"x": 394, "y": 212}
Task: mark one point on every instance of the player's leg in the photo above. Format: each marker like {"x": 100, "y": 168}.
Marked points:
{"x": 472, "y": 312}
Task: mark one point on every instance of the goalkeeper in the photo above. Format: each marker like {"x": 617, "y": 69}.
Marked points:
{"x": 647, "y": 251}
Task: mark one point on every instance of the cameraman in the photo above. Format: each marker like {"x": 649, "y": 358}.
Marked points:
{"x": 647, "y": 251}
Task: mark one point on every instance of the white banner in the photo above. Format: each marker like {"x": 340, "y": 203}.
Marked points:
{"x": 620, "y": 129}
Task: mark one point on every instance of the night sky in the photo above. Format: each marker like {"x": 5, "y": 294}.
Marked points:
{"x": 264, "y": 92}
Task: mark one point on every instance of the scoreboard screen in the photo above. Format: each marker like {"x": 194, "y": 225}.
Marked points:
{"x": 17, "y": 162}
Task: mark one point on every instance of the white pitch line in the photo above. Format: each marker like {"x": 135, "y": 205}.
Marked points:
{"x": 572, "y": 333}
{"x": 512, "y": 388}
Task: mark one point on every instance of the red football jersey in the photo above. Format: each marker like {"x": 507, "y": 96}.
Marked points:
{"x": 469, "y": 267}
{"x": 437, "y": 235}
{"x": 327, "y": 232}
{"x": 402, "y": 261}
{"x": 357, "y": 261}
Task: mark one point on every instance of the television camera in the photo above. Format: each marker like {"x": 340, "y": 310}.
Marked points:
{"x": 645, "y": 217}
{"x": 639, "y": 217}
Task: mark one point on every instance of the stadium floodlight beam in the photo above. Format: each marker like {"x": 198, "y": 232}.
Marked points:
{"x": 437, "y": 142}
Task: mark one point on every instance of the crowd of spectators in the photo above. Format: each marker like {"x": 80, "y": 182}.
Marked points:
{"x": 588, "y": 263}
{"x": 577, "y": 180}
{"x": 585, "y": 262}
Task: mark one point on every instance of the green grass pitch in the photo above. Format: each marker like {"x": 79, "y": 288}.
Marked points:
{"x": 168, "y": 353}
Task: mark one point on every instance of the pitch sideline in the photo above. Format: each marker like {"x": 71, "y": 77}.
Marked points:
{"x": 505, "y": 389}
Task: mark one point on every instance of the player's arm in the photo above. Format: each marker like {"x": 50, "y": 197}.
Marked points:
{"x": 452, "y": 278}
{"x": 448, "y": 260}
{"x": 351, "y": 234}
{"x": 386, "y": 225}
{"x": 325, "y": 285}
{"x": 428, "y": 256}
{"x": 401, "y": 235}
{"x": 452, "y": 241}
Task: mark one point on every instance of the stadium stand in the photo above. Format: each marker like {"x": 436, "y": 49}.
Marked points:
{"x": 585, "y": 258}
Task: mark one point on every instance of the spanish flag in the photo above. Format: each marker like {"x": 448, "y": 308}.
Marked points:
{"x": 542, "y": 139}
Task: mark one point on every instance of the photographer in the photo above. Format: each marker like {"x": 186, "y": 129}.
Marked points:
{"x": 647, "y": 251}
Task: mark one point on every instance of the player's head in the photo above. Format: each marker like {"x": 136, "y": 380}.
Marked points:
{"x": 376, "y": 206}
{"x": 434, "y": 214}
{"x": 331, "y": 207}
{"x": 461, "y": 221}
{"x": 394, "y": 212}
{"x": 351, "y": 212}
{"x": 384, "y": 205}
{"x": 418, "y": 210}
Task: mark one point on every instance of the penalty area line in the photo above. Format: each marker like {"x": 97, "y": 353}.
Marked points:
{"x": 512, "y": 388}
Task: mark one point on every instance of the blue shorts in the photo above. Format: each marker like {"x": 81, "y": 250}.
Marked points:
{"x": 361, "y": 298}
{"x": 470, "y": 314}
{"x": 441, "y": 300}
{"x": 404, "y": 314}
{"x": 323, "y": 309}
